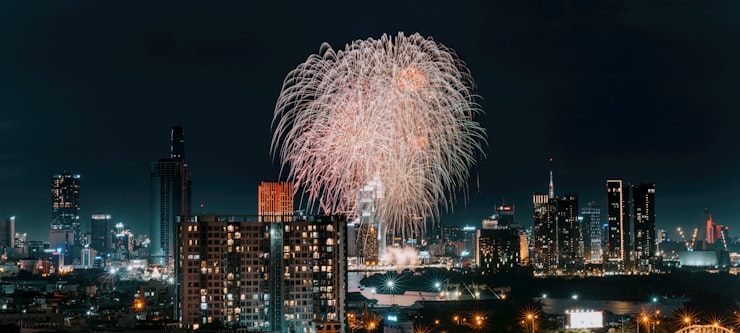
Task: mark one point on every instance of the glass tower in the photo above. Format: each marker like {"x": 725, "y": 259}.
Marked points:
{"x": 169, "y": 193}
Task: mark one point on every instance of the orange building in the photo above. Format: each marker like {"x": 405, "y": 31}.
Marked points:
{"x": 275, "y": 198}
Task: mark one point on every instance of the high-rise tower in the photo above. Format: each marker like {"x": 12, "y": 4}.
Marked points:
{"x": 568, "y": 232}
{"x": 65, "y": 215}
{"x": 618, "y": 232}
{"x": 591, "y": 227}
{"x": 65, "y": 203}
{"x": 101, "y": 237}
{"x": 545, "y": 246}
{"x": 545, "y": 229}
{"x": 643, "y": 200}
{"x": 169, "y": 194}
{"x": 7, "y": 232}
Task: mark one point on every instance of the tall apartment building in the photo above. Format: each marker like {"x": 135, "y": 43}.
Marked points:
{"x": 170, "y": 197}
{"x": 618, "y": 219}
{"x": 643, "y": 201}
{"x": 544, "y": 257}
{"x": 568, "y": 232}
{"x": 591, "y": 220}
{"x": 287, "y": 274}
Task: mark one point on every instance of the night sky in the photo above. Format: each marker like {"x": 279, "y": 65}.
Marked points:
{"x": 609, "y": 89}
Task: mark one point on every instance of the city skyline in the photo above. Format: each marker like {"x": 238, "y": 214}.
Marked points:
{"x": 638, "y": 92}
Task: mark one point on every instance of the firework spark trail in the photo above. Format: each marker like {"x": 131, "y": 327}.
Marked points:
{"x": 397, "y": 109}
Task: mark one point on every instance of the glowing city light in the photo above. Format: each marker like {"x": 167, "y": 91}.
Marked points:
{"x": 398, "y": 111}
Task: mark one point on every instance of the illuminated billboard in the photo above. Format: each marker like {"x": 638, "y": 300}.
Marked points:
{"x": 584, "y": 319}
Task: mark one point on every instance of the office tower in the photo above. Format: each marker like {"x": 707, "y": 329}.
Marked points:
{"x": 545, "y": 246}
{"x": 169, "y": 194}
{"x": 275, "y": 198}
{"x": 65, "y": 204}
{"x": 568, "y": 232}
{"x": 7, "y": 233}
{"x": 286, "y": 275}
{"x": 617, "y": 218}
{"x": 643, "y": 201}
{"x": 101, "y": 233}
{"x": 592, "y": 226}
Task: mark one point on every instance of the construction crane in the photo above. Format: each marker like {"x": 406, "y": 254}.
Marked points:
{"x": 724, "y": 241}
{"x": 689, "y": 245}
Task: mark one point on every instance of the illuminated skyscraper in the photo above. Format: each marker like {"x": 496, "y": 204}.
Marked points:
{"x": 545, "y": 246}
{"x": 65, "y": 203}
{"x": 545, "y": 229}
{"x": 591, "y": 227}
{"x": 64, "y": 234}
{"x": 643, "y": 201}
{"x": 169, "y": 194}
{"x": 618, "y": 232}
{"x": 568, "y": 232}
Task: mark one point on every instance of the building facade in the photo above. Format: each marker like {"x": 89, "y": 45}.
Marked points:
{"x": 285, "y": 275}
{"x": 499, "y": 250}
{"x": 275, "y": 198}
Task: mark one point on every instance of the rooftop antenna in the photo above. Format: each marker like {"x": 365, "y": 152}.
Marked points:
{"x": 552, "y": 185}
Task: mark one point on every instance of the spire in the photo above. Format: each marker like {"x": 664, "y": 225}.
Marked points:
{"x": 552, "y": 185}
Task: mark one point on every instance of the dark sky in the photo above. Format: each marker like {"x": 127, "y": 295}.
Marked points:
{"x": 646, "y": 92}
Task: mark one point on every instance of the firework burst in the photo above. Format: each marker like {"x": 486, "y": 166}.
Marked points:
{"x": 395, "y": 111}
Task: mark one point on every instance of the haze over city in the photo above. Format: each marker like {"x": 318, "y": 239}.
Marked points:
{"x": 639, "y": 92}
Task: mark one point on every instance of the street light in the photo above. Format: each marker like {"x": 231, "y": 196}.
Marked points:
{"x": 390, "y": 284}
{"x": 531, "y": 317}
{"x": 647, "y": 325}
